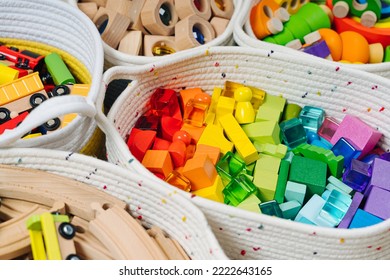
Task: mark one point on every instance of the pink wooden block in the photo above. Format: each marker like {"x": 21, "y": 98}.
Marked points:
{"x": 360, "y": 133}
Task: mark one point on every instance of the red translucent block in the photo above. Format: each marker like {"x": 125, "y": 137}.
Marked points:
{"x": 169, "y": 126}
{"x": 177, "y": 150}
{"x": 140, "y": 141}
{"x": 165, "y": 102}
{"x": 148, "y": 121}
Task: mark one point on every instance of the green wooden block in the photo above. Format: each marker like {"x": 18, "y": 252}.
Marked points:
{"x": 263, "y": 132}
{"x": 290, "y": 209}
{"x": 251, "y": 203}
{"x": 266, "y": 183}
{"x": 387, "y": 54}
{"x": 334, "y": 163}
{"x": 282, "y": 181}
{"x": 275, "y": 101}
{"x": 295, "y": 191}
{"x": 309, "y": 172}
{"x": 291, "y": 111}
{"x": 266, "y": 113}
{"x": 268, "y": 163}
{"x": 271, "y": 149}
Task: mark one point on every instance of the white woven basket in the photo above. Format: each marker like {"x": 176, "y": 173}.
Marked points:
{"x": 147, "y": 201}
{"x": 54, "y": 24}
{"x": 113, "y": 57}
{"x": 243, "y": 36}
{"x": 338, "y": 90}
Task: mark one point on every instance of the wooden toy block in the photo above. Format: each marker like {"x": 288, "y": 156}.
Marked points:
{"x": 169, "y": 126}
{"x": 278, "y": 151}
{"x": 268, "y": 163}
{"x": 376, "y": 53}
{"x": 7, "y": 74}
{"x": 267, "y": 113}
{"x": 310, "y": 211}
{"x": 291, "y": 111}
{"x": 251, "y": 203}
{"x": 274, "y": 101}
{"x": 309, "y": 172}
{"x": 377, "y": 203}
{"x": 282, "y": 181}
{"x": 187, "y": 8}
{"x": 159, "y": 17}
{"x": 90, "y": 9}
{"x": 158, "y": 161}
{"x": 217, "y": 92}
{"x": 290, "y": 209}
{"x": 222, "y": 8}
{"x": 178, "y": 152}
{"x": 160, "y": 144}
{"x": 135, "y": 15}
{"x": 241, "y": 142}
{"x": 140, "y": 141}
{"x": 214, "y": 192}
{"x": 190, "y": 151}
{"x": 185, "y": 36}
{"x": 156, "y": 45}
{"x": 111, "y": 25}
{"x": 356, "y": 201}
{"x": 266, "y": 183}
{"x": 195, "y": 132}
{"x": 244, "y": 112}
{"x": 380, "y": 176}
{"x": 213, "y": 136}
{"x": 263, "y": 132}
{"x": 210, "y": 118}
{"x": 120, "y": 6}
{"x": 364, "y": 219}
{"x": 219, "y": 25}
{"x": 258, "y": 95}
{"x": 183, "y": 136}
{"x": 212, "y": 152}
{"x": 131, "y": 43}
{"x": 295, "y": 191}
{"x": 360, "y": 133}
{"x": 339, "y": 185}
{"x": 176, "y": 178}
{"x": 334, "y": 163}
{"x": 224, "y": 106}
{"x": 271, "y": 208}
{"x": 200, "y": 171}
{"x": 100, "y": 3}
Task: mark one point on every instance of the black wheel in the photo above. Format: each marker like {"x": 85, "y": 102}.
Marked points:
{"x": 73, "y": 257}
{"x": 37, "y": 99}
{"x": 52, "y": 124}
{"x": 67, "y": 230}
{"x": 61, "y": 90}
{"x": 5, "y": 115}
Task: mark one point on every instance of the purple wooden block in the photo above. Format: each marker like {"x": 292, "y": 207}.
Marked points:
{"x": 356, "y": 201}
{"x": 319, "y": 49}
{"x": 377, "y": 203}
{"x": 380, "y": 174}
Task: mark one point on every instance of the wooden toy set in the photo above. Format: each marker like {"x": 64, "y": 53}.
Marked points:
{"x": 158, "y": 27}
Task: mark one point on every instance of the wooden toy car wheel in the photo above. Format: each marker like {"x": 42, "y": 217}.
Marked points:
{"x": 5, "y": 115}
{"x": 52, "y": 124}
{"x": 36, "y": 99}
{"x": 73, "y": 257}
{"x": 61, "y": 90}
{"x": 67, "y": 230}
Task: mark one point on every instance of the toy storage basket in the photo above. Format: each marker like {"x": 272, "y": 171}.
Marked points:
{"x": 112, "y": 57}
{"x": 243, "y": 36}
{"x": 45, "y": 26}
{"x": 147, "y": 201}
{"x": 338, "y": 90}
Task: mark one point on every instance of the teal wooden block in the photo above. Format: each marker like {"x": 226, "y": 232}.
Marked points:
{"x": 340, "y": 185}
{"x": 309, "y": 172}
{"x": 290, "y": 209}
{"x": 271, "y": 208}
{"x": 310, "y": 211}
{"x": 295, "y": 191}
{"x": 263, "y": 132}
{"x": 364, "y": 219}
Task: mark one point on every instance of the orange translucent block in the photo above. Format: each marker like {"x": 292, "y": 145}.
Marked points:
{"x": 178, "y": 180}
{"x": 177, "y": 150}
{"x": 169, "y": 126}
{"x": 187, "y": 94}
{"x": 212, "y": 152}
{"x": 201, "y": 172}
{"x": 195, "y": 110}
{"x": 140, "y": 141}
{"x": 194, "y": 131}
{"x": 161, "y": 144}
{"x": 214, "y": 192}
{"x": 158, "y": 161}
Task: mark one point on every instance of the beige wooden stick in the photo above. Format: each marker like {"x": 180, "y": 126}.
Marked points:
{"x": 90, "y": 9}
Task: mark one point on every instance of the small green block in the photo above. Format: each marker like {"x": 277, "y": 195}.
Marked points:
{"x": 238, "y": 190}
{"x": 282, "y": 181}
{"x": 290, "y": 209}
{"x": 266, "y": 182}
{"x": 251, "y": 203}
{"x": 387, "y": 54}
{"x": 275, "y": 101}
{"x": 291, "y": 111}
{"x": 263, "y": 132}
{"x": 268, "y": 163}
{"x": 278, "y": 151}
{"x": 340, "y": 185}
{"x": 265, "y": 113}
{"x": 334, "y": 163}
{"x": 250, "y": 168}
{"x": 310, "y": 172}
{"x": 295, "y": 191}
{"x": 289, "y": 156}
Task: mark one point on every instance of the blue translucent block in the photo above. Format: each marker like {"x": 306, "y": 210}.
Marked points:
{"x": 310, "y": 211}
{"x": 347, "y": 149}
{"x": 370, "y": 158}
{"x": 293, "y": 133}
{"x": 322, "y": 143}
{"x": 229, "y": 166}
{"x": 335, "y": 207}
{"x": 238, "y": 190}
{"x": 358, "y": 175}
{"x": 311, "y": 136}
{"x": 312, "y": 118}
{"x": 271, "y": 208}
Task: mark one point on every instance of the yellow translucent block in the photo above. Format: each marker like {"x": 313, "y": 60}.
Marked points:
{"x": 258, "y": 95}
{"x": 266, "y": 182}
{"x": 251, "y": 203}
{"x": 214, "y": 192}
{"x": 213, "y": 136}
{"x": 243, "y": 145}
{"x": 269, "y": 163}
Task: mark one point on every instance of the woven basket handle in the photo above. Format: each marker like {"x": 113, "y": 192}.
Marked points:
{"x": 48, "y": 110}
